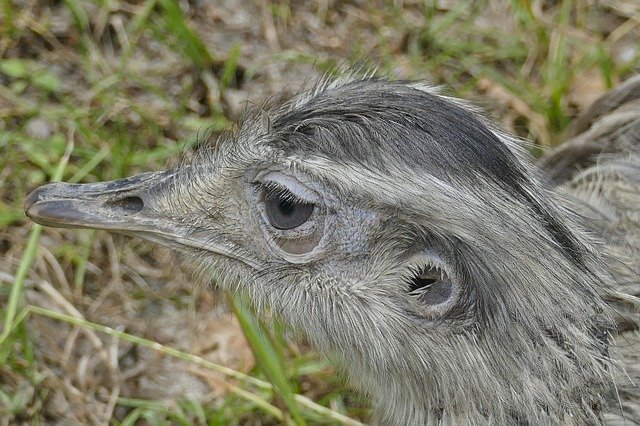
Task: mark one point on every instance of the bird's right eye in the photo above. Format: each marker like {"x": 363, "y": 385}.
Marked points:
{"x": 284, "y": 210}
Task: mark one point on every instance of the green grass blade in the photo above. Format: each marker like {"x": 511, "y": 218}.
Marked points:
{"x": 17, "y": 289}
{"x": 194, "y": 359}
{"x": 191, "y": 44}
{"x": 9, "y": 13}
{"x": 89, "y": 166}
{"x": 266, "y": 355}
{"x": 78, "y": 14}
{"x": 135, "y": 29}
{"x": 153, "y": 345}
{"x": 231, "y": 66}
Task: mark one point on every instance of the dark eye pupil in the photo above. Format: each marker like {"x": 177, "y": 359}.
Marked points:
{"x": 284, "y": 211}
{"x": 286, "y": 207}
{"x": 431, "y": 287}
{"x": 419, "y": 282}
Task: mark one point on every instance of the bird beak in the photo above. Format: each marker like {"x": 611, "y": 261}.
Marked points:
{"x": 128, "y": 205}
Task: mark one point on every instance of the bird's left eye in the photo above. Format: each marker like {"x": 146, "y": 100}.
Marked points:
{"x": 285, "y": 211}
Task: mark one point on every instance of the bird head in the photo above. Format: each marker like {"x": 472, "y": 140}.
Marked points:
{"x": 407, "y": 237}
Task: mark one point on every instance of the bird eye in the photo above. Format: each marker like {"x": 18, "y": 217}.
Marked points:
{"x": 431, "y": 287}
{"x": 292, "y": 214}
{"x": 285, "y": 211}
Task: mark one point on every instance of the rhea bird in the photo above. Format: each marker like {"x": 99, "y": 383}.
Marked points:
{"x": 413, "y": 242}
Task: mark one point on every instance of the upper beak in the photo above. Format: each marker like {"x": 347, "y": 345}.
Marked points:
{"x": 136, "y": 205}
{"x": 126, "y": 205}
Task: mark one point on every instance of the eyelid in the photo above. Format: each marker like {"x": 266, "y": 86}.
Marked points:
{"x": 272, "y": 187}
{"x": 277, "y": 180}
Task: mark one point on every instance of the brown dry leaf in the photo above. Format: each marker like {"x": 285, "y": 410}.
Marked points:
{"x": 586, "y": 88}
{"x": 507, "y": 99}
{"x": 223, "y": 343}
{"x": 215, "y": 337}
{"x": 629, "y": 8}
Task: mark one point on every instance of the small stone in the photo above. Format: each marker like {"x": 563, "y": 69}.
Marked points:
{"x": 38, "y": 128}
{"x": 236, "y": 101}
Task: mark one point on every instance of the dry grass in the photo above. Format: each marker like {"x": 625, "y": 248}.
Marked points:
{"x": 126, "y": 87}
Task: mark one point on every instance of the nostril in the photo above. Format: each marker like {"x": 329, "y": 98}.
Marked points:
{"x": 127, "y": 205}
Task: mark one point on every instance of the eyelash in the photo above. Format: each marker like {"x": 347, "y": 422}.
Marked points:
{"x": 275, "y": 188}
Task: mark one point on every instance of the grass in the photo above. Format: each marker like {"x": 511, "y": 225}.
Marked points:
{"x": 17, "y": 289}
{"x": 94, "y": 90}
